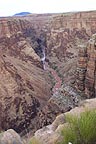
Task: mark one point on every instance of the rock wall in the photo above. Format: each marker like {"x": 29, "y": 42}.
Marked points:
{"x": 24, "y": 87}
{"x": 77, "y": 20}
{"x": 66, "y": 42}
{"x": 10, "y": 26}
{"x": 68, "y": 30}
{"x": 86, "y": 68}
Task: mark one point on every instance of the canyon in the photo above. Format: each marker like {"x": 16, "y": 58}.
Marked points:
{"x": 47, "y": 66}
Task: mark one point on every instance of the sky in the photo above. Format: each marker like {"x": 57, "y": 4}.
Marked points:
{"x": 11, "y": 7}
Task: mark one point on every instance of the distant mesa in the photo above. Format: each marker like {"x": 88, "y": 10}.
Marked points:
{"x": 22, "y": 14}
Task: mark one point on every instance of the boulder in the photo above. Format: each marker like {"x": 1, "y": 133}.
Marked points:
{"x": 10, "y": 137}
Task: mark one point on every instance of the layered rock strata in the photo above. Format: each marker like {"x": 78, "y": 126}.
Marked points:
{"x": 67, "y": 33}
{"x": 24, "y": 87}
{"x": 11, "y": 25}
{"x": 86, "y": 68}
{"x": 67, "y": 29}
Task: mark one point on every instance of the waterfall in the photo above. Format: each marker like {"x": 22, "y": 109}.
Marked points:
{"x": 43, "y": 58}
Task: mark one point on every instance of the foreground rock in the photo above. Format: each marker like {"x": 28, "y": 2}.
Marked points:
{"x": 52, "y": 133}
{"x": 10, "y": 137}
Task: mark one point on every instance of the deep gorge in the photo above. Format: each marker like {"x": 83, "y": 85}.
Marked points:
{"x": 26, "y": 97}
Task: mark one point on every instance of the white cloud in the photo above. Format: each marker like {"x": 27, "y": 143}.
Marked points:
{"x": 10, "y": 7}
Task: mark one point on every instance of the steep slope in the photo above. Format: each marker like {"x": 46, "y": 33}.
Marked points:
{"x": 86, "y": 68}
{"x": 63, "y": 39}
{"x": 24, "y": 87}
{"x": 84, "y": 84}
{"x": 70, "y": 28}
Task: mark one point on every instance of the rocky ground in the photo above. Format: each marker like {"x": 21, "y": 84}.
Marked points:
{"x": 51, "y": 134}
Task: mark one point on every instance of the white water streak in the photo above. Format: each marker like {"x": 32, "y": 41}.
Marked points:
{"x": 43, "y": 58}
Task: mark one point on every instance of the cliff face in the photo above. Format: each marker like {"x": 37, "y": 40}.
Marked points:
{"x": 86, "y": 68}
{"x": 66, "y": 29}
{"x": 67, "y": 33}
{"x": 24, "y": 87}
{"x": 10, "y": 26}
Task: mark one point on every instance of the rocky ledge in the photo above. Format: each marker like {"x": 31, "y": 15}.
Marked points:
{"x": 51, "y": 134}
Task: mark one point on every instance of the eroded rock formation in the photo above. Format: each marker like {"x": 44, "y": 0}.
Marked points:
{"x": 86, "y": 68}
{"x": 67, "y": 29}
{"x": 65, "y": 34}
{"x": 24, "y": 87}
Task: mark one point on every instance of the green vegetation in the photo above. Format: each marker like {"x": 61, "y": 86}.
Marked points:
{"x": 80, "y": 130}
{"x": 59, "y": 74}
{"x": 34, "y": 141}
{"x": 54, "y": 65}
{"x": 53, "y": 81}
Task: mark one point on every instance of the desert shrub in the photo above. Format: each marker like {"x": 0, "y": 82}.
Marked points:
{"x": 80, "y": 130}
